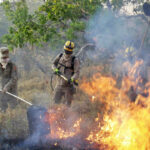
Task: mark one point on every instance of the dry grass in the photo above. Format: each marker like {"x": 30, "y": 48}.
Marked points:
{"x": 34, "y": 88}
{"x": 14, "y": 122}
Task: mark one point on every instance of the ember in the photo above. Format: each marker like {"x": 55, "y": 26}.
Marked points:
{"x": 60, "y": 127}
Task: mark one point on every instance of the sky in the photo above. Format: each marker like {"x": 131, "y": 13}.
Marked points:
{"x": 128, "y": 9}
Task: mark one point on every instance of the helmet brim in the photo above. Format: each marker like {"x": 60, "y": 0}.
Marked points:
{"x": 68, "y": 52}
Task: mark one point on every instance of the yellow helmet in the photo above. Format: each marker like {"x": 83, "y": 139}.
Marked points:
{"x": 69, "y": 46}
{"x": 130, "y": 52}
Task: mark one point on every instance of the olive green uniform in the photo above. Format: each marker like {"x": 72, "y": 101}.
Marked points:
{"x": 63, "y": 88}
{"x": 9, "y": 79}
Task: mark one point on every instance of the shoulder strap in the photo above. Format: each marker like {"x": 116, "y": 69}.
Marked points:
{"x": 72, "y": 62}
{"x": 60, "y": 55}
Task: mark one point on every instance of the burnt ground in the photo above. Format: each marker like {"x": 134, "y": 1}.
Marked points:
{"x": 19, "y": 144}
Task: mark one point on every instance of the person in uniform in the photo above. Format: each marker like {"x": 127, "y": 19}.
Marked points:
{"x": 9, "y": 77}
{"x": 68, "y": 65}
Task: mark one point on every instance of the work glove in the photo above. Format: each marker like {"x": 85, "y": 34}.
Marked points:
{"x": 73, "y": 81}
{"x": 56, "y": 71}
{"x": 70, "y": 81}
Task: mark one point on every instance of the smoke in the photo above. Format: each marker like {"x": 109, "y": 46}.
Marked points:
{"x": 42, "y": 99}
{"x": 40, "y": 135}
{"x": 112, "y": 34}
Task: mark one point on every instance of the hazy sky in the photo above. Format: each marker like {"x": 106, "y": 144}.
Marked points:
{"x": 127, "y": 9}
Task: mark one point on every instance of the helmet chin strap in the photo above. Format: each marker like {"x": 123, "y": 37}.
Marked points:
{"x": 67, "y": 55}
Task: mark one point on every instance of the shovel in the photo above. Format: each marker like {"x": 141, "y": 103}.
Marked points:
{"x": 21, "y": 99}
{"x": 63, "y": 77}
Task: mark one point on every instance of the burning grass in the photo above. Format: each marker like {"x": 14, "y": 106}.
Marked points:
{"x": 125, "y": 125}
{"x": 102, "y": 115}
{"x": 120, "y": 122}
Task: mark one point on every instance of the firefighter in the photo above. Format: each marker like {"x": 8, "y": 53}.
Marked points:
{"x": 67, "y": 64}
{"x": 136, "y": 72}
{"x": 9, "y": 77}
{"x": 130, "y": 54}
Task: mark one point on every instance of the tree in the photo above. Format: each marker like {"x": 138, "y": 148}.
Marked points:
{"x": 4, "y": 23}
{"x": 53, "y": 21}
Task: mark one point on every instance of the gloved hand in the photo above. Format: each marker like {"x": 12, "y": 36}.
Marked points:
{"x": 70, "y": 81}
{"x": 56, "y": 71}
{"x": 76, "y": 82}
{"x": 4, "y": 90}
{"x": 73, "y": 81}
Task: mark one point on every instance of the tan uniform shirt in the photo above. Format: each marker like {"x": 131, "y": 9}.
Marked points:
{"x": 9, "y": 77}
{"x": 66, "y": 60}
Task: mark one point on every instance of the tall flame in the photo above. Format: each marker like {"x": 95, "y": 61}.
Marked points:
{"x": 125, "y": 125}
{"x": 123, "y": 116}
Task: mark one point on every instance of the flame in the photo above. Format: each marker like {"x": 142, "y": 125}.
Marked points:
{"x": 122, "y": 121}
{"x": 60, "y": 127}
{"x": 93, "y": 98}
{"x": 125, "y": 125}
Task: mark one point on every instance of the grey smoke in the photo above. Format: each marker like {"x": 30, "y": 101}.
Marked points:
{"x": 112, "y": 33}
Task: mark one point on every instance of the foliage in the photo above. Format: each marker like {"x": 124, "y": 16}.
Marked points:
{"x": 24, "y": 29}
{"x": 4, "y": 23}
{"x": 53, "y": 20}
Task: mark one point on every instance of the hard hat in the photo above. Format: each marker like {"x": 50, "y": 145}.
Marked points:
{"x": 68, "y": 47}
{"x": 130, "y": 52}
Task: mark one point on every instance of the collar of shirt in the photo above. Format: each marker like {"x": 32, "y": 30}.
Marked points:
{"x": 4, "y": 64}
{"x": 67, "y": 57}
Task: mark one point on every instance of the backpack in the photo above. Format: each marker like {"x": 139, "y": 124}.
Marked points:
{"x": 72, "y": 63}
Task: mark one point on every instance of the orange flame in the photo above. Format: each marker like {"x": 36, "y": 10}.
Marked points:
{"x": 125, "y": 125}
{"x": 59, "y": 129}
